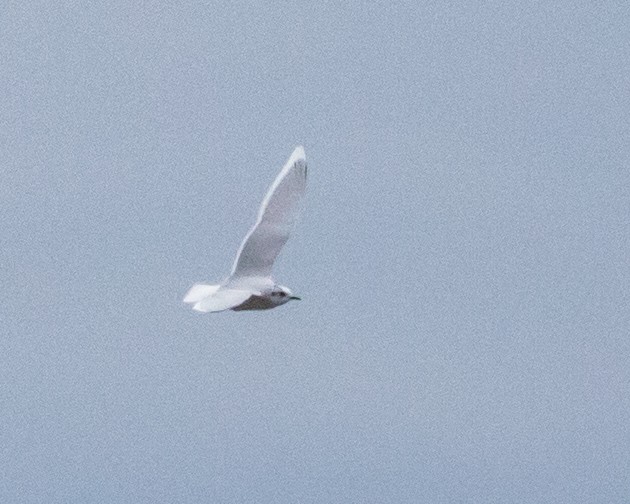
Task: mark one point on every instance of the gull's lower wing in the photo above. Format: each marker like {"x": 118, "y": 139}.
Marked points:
{"x": 276, "y": 217}
{"x": 223, "y": 299}
{"x": 199, "y": 291}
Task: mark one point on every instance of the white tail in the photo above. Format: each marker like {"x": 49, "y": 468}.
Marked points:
{"x": 199, "y": 291}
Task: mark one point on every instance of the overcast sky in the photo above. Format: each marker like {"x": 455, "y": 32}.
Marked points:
{"x": 462, "y": 255}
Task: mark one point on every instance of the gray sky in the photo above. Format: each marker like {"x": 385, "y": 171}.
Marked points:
{"x": 462, "y": 255}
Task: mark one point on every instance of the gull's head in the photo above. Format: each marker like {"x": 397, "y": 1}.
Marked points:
{"x": 282, "y": 294}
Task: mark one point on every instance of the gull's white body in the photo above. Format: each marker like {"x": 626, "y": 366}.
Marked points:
{"x": 250, "y": 285}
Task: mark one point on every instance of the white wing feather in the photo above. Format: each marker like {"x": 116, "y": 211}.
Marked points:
{"x": 276, "y": 217}
{"x": 223, "y": 299}
{"x": 199, "y": 291}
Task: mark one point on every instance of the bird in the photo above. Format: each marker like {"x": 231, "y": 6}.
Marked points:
{"x": 250, "y": 285}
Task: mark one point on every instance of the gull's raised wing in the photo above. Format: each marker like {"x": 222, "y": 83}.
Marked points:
{"x": 276, "y": 217}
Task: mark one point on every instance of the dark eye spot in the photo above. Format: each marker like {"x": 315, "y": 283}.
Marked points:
{"x": 282, "y": 294}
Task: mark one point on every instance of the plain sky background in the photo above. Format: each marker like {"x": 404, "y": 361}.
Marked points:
{"x": 462, "y": 254}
